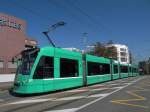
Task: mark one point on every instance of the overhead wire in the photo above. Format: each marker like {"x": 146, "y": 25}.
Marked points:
{"x": 32, "y": 11}
{"x": 83, "y": 12}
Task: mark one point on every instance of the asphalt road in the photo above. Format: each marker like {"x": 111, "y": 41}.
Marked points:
{"x": 124, "y": 95}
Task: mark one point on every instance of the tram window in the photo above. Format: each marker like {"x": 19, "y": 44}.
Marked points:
{"x": 115, "y": 69}
{"x": 98, "y": 68}
{"x": 124, "y": 69}
{"x": 45, "y": 68}
{"x": 132, "y": 70}
{"x": 135, "y": 70}
{"x": 68, "y": 68}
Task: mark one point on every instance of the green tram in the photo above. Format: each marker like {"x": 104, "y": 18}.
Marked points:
{"x": 50, "y": 69}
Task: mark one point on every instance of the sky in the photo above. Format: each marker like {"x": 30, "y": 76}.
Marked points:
{"x": 123, "y": 21}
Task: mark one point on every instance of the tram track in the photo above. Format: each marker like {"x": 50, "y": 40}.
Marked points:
{"x": 7, "y": 97}
{"x": 36, "y": 104}
{"x": 68, "y": 93}
{"x": 65, "y": 94}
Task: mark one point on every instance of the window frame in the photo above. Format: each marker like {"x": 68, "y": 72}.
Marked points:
{"x": 101, "y": 70}
{"x": 122, "y": 71}
{"x": 76, "y": 67}
{"x": 49, "y": 76}
{"x": 117, "y": 68}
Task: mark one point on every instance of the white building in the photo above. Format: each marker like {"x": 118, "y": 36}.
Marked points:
{"x": 123, "y": 55}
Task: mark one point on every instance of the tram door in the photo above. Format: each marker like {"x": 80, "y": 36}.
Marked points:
{"x": 45, "y": 72}
{"x": 48, "y": 73}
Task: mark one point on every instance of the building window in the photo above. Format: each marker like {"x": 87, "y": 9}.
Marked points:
{"x": 115, "y": 69}
{"x": 12, "y": 65}
{"x": 45, "y": 68}
{"x": 124, "y": 54}
{"x": 124, "y": 69}
{"x": 1, "y": 64}
{"x": 68, "y": 68}
{"x": 98, "y": 68}
{"x": 122, "y": 49}
{"x": 123, "y": 59}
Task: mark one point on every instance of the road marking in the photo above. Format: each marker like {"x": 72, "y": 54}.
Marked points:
{"x": 31, "y": 101}
{"x": 126, "y": 83}
{"x": 36, "y": 99}
{"x": 70, "y": 98}
{"x": 80, "y": 90}
{"x": 49, "y": 99}
{"x": 64, "y": 110}
{"x": 126, "y": 102}
{"x": 97, "y": 85}
{"x": 109, "y": 82}
{"x": 92, "y": 102}
{"x": 134, "y": 94}
{"x": 112, "y": 84}
{"x": 99, "y": 89}
{"x": 123, "y": 81}
{"x": 98, "y": 95}
{"x": 118, "y": 87}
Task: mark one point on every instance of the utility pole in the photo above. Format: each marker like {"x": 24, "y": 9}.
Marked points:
{"x": 85, "y": 35}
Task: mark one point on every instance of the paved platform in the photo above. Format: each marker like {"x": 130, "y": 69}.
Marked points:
{"x": 124, "y": 95}
{"x": 5, "y": 85}
{"x": 7, "y": 77}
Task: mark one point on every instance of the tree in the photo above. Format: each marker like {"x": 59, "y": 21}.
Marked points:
{"x": 101, "y": 49}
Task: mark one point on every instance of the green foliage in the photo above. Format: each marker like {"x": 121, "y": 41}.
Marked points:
{"x": 104, "y": 50}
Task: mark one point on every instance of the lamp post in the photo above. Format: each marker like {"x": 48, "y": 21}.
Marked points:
{"x": 53, "y": 27}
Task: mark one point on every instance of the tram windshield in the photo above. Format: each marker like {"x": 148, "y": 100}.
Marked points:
{"x": 27, "y": 61}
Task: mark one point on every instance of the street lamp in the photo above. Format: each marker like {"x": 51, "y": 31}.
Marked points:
{"x": 53, "y": 27}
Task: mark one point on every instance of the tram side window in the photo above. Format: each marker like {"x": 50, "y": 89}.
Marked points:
{"x": 45, "y": 68}
{"x": 98, "y": 68}
{"x": 115, "y": 69}
{"x": 124, "y": 69}
{"x": 68, "y": 68}
{"x": 132, "y": 70}
{"x": 135, "y": 70}
{"x": 106, "y": 68}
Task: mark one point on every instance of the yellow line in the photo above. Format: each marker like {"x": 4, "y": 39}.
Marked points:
{"x": 137, "y": 98}
{"x": 128, "y": 104}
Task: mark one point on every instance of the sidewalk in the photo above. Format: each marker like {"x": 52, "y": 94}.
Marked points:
{"x": 6, "y": 81}
{"x": 5, "y": 85}
{"x": 7, "y": 77}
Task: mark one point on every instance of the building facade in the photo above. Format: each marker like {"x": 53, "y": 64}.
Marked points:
{"x": 12, "y": 41}
{"x": 123, "y": 54}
